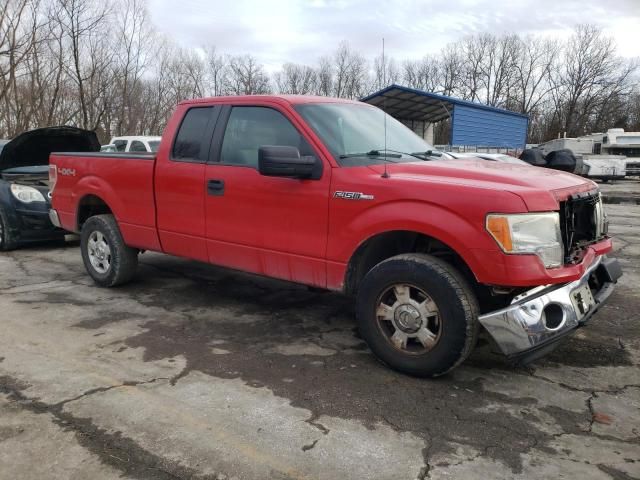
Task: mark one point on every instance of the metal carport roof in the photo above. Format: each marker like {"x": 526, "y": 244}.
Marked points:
{"x": 471, "y": 123}
{"x": 412, "y": 104}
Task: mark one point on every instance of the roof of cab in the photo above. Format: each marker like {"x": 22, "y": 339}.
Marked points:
{"x": 291, "y": 99}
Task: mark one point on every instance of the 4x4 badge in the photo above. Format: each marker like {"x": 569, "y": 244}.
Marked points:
{"x": 353, "y": 196}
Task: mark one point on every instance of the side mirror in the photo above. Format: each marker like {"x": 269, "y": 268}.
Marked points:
{"x": 285, "y": 161}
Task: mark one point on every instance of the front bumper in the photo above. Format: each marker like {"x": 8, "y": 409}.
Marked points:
{"x": 538, "y": 319}
{"x": 32, "y": 223}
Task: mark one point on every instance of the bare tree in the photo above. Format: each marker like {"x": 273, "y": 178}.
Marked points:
{"x": 533, "y": 66}
{"x": 325, "y": 77}
{"x": 589, "y": 75}
{"x": 350, "y": 69}
{"x": 451, "y": 67}
{"x": 497, "y": 69}
{"x": 80, "y": 21}
{"x": 133, "y": 37}
{"x": 20, "y": 27}
{"x": 246, "y": 76}
{"x": 217, "y": 71}
{"x": 474, "y": 50}
{"x": 385, "y": 72}
{"x": 100, "y": 65}
{"x": 422, "y": 74}
{"x": 296, "y": 79}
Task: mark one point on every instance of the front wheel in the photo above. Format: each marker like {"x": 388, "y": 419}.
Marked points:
{"x": 417, "y": 314}
{"x": 107, "y": 259}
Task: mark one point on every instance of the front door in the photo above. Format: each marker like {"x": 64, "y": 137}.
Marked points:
{"x": 267, "y": 225}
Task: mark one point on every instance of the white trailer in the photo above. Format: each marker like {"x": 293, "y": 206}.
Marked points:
{"x": 604, "y": 167}
{"x": 600, "y": 155}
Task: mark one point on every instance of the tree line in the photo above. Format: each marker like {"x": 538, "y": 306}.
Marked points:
{"x": 101, "y": 65}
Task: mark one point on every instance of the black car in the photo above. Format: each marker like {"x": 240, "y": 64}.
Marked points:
{"x": 24, "y": 182}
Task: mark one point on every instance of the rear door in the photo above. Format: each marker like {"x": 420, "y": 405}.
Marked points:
{"x": 180, "y": 186}
{"x": 267, "y": 225}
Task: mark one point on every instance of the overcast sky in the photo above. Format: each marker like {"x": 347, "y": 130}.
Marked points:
{"x": 277, "y": 31}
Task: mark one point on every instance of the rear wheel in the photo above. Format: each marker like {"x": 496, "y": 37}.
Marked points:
{"x": 7, "y": 242}
{"x": 418, "y": 314}
{"x": 107, "y": 259}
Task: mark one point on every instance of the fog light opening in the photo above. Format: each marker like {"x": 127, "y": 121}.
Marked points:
{"x": 553, "y": 316}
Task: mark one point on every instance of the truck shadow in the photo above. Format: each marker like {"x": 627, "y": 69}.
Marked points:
{"x": 303, "y": 346}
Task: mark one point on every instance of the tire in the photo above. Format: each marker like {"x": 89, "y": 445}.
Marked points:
{"x": 563, "y": 160}
{"x": 436, "y": 342}
{"x": 7, "y": 240}
{"x": 107, "y": 259}
{"x": 533, "y": 156}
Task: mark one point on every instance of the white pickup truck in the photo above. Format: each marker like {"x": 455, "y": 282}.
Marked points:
{"x": 139, "y": 144}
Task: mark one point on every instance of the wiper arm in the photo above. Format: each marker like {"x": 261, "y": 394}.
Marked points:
{"x": 372, "y": 153}
{"x": 426, "y": 155}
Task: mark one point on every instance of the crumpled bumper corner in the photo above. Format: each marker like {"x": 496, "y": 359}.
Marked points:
{"x": 537, "y": 320}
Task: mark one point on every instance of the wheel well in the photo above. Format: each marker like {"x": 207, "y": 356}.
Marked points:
{"x": 89, "y": 206}
{"x": 389, "y": 244}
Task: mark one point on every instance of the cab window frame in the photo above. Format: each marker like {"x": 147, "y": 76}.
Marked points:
{"x": 205, "y": 141}
{"x": 215, "y": 156}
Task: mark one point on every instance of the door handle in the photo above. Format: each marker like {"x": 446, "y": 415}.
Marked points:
{"x": 215, "y": 187}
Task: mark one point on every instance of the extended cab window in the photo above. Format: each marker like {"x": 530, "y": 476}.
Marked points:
{"x": 192, "y": 140}
{"x": 250, "y": 128}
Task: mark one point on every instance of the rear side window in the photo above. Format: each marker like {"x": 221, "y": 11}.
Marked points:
{"x": 192, "y": 140}
{"x": 137, "y": 146}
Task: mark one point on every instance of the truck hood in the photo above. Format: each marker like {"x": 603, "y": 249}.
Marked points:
{"x": 32, "y": 148}
{"x": 540, "y": 188}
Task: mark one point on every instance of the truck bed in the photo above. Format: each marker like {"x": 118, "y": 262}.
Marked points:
{"x": 124, "y": 180}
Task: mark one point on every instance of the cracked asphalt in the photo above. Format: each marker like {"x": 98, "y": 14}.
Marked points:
{"x": 197, "y": 372}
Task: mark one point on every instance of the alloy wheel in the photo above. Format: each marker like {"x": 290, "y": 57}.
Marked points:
{"x": 409, "y": 318}
{"x": 99, "y": 252}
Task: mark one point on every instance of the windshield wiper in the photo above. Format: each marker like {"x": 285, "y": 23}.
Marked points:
{"x": 372, "y": 153}
{"x": 426, "y": 155}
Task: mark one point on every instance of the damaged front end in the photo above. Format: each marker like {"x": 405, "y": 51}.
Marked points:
{"x": 582, "y": 223}
{"x": 537, "y": 319}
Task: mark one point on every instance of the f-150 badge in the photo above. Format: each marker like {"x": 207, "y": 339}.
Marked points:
{"x": 353, "y": 196}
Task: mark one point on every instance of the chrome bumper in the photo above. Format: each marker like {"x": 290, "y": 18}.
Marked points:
{"x": 536, "y": 320}
{"x": 53, "y": 216}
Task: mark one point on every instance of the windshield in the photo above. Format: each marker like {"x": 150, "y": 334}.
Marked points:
{"x": 355, "y": 134}
{"x": 154, "y": 144}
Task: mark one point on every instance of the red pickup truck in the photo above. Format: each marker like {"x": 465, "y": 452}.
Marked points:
{"x": 327, "y": 193}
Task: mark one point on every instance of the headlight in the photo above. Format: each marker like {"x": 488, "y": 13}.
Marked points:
{"x": 536, "y": 233}
{"x": 26, "y": 194}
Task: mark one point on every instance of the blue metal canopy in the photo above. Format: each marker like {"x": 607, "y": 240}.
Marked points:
{"x": 471, "y": 123}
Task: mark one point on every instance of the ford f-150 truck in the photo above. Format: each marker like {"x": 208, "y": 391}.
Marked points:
{"x": 331, "y": 194}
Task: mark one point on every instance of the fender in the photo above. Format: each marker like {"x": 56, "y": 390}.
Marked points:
{"x": 134, "y": 233}
{"x": 95, "y": 186}
{"x": 464, "y": 235}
